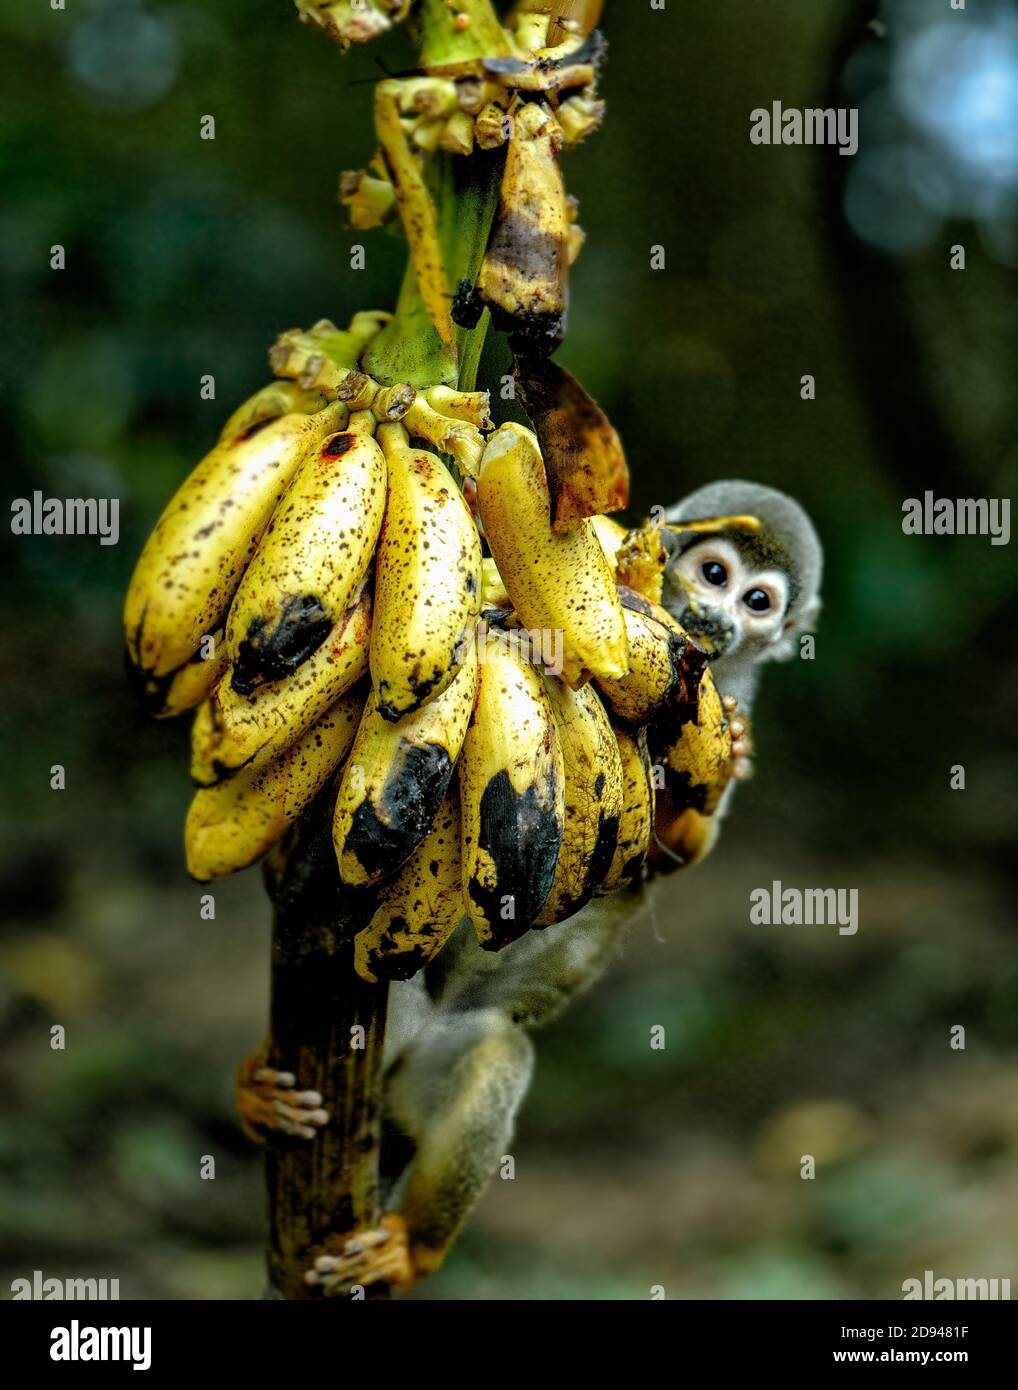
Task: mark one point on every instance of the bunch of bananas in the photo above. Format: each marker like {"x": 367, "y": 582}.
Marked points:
{"x": 498, "y": 732}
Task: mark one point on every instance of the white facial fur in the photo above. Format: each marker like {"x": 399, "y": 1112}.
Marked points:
{"x": 729, "y": 597}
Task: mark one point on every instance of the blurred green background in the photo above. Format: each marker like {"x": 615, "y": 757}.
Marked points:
{"x": 634, "y": 1168}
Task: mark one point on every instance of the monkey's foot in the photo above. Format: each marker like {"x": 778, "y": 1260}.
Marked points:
{"x": 267, "y": 1100}
{"x": 376, "y": 1256}
{"x": 742, "y": 745}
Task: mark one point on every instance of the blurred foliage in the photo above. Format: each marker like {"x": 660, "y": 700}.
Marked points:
{"x": 634, "y": 1167}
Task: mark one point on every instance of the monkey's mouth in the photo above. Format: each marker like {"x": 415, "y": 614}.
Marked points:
{"x": 711, "y": 630}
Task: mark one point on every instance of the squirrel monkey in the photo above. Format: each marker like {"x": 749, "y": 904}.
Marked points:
{"x": 458, "y": 1055}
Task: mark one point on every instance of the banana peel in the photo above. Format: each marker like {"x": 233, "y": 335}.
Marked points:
{"x": 583, "y": 454}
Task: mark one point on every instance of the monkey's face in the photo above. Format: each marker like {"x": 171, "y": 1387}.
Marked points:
{"x": 724, "y": 599}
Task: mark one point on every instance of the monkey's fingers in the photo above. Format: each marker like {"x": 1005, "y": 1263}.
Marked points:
{"x": 266, "y": 1100}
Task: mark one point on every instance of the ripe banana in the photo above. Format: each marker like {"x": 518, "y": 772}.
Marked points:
{"x": 234, "y": 731}
{"x": 512, "y": 797}
{"x": 313, "y": 555}
{"x": 231, "y": 825}
{"x": 556, "y": 582}
{"x": 192, "y": 562}
{"x": 657, "y": 651}
{"x": 593, "y": 773}
{"x": 427, "y": 580}
{"x": 637, "y": 820}
{"x": 421, "y": 907}
{"x": 395, "y": 779}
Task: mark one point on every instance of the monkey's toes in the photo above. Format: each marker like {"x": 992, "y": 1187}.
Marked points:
{"x": 379, "y": 1255}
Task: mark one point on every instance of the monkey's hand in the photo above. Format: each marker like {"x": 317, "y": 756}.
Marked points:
{"x": 742, "y": 744}
{"x": 266, "y": 1100}
{"x": 380, "y": 1255}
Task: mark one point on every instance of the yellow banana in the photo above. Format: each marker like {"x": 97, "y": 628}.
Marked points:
{"x": 556, "y": 582}
{"x": 420, "y": 909}
{"x": 637, "y": 819}
{"x": 512, "y": 797}
{"x": 656, "y": 654}
{"x": 313, "y": 555}
{"x": 395, "y": 779}
{"x": 165, "y": 697}
{"x": 610, "y": 533}
{"x": 231, "y": 825}
{"x": 234, "y": 731}
{"x": 427, "y": 580}
{"x": 593, "y": 773}
{"x": 278, "y": 398}
{"x": 192, "y": 562}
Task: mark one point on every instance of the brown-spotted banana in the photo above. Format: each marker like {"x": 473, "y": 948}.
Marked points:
{"x": 427, "y": 580}
{"x": 657, "y": 649}
{"x": 233, "y": 731}
{"x": 192, "y": 562}
{"x": 556, "y": 582}
{"x": 594, "y": 799}
{"x": 234, "y": 823}
{"x": 396, "y": 777}
{"x": 512, "y": 797}
{"x": 308, "y": 564}
{"x": 636, "y": 822}
{"x": 422, "y": 905}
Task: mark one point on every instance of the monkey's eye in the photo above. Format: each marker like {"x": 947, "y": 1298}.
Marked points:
{"x": 757, "y": 599}
{"x": 714, "y": 573}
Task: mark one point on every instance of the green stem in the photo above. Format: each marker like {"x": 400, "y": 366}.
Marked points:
{"x": 446, "y": 41}
{"x": 465, "y": 190}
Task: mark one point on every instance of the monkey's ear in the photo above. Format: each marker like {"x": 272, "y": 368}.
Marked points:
{"x": 800, "y": 619}
{"x": 808, "y": 615}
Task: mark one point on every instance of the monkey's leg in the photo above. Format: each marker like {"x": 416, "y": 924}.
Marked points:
{"x": 267, "y": 1099}
{"x": 456, "y": 1093}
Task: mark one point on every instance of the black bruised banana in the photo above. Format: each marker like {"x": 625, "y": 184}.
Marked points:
{"x": 636, "y": 822}
{"x": 313, "y": 555}
{"x": 691, "y": 742}
{"x": 557, "y": 583}
{"x": 396, "y": 777}
{"x": 193, "y": 561}
{"x": 523, "y": 277}
{"x": 594, "y": 799}
{"x": 427, "y": 579}
{"x": 233, "y": 731}
{"x": 512, "y": 796}
{"x": 422, "y": 905}
{"x": 234, "y": 823}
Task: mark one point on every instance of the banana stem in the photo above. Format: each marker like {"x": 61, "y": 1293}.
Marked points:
{"x": 328, "y": 1025}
